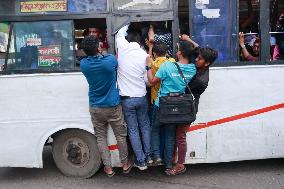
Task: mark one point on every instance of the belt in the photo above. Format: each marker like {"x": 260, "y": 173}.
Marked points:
{"x": 124, "y": 97}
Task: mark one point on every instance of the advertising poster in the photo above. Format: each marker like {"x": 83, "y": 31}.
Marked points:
{"x": 87, "y": 5}
{"x": 4, "y": 34}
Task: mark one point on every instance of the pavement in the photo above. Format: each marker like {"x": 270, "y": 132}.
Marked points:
{"x": 248, "y": 175}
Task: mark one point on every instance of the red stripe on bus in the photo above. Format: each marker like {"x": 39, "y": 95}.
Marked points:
{"x": 113, "y": 147}
{"x": 225, "y": 120}
{"x": 234, "y": 118}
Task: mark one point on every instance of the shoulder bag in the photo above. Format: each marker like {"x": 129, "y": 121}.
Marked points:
{"x": 177, "y": 109}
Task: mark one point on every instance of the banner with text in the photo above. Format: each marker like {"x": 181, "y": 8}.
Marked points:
{"x": 43, "y": 6}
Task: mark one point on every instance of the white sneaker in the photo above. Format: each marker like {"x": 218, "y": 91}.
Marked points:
{"x": 142, "y": 166}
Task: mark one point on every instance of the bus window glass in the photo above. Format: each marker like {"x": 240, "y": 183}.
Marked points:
{"x": 183, "y": 16}
{"x": 277, "y": 30}
{"x": 7, "y": 7}
{"x": 44, "y": 45}
{"x": 56, "y": 6}
{"x": 249, "y": 37}
{"x": 213, "y": 25}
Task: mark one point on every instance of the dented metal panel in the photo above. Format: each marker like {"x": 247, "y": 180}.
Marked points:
{"x": 125, "y": 5}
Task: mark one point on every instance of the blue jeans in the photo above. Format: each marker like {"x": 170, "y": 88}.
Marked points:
{"x": 163, "y": 150}
{"x": 135, "y": 112}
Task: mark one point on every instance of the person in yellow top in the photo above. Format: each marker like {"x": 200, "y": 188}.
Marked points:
{"x": 160, "y": 56}
{"x": 158, "y": 51}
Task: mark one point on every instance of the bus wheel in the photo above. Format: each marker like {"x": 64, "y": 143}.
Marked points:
{"x": 76, "y": 154}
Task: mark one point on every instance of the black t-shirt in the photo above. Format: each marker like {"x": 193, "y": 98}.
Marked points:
{"x": 198, "y": 84}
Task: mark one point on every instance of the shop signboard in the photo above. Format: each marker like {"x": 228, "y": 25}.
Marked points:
{"x": 49, "y": 55}
{"x": 43, "y": 6}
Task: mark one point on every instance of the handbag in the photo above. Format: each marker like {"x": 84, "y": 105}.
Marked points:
{"x": 177, "y": 109}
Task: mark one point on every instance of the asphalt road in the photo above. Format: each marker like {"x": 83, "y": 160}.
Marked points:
{"x": 239, "y": 175}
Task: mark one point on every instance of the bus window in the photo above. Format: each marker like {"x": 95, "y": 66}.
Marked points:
{"x": 84, "y": 27}
{"x": 183, "y": 16}
{"x": 43, "y": 45}
{"x": 7, "y": 7}
{"x": 249, "y": 38}
{"x": 277, "y": 30}
{"x": 213, "y": 25}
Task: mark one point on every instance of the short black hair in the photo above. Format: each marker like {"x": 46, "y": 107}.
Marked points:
{"x": 161, "y": 49}
{"x": 209, "y": 54}
{"x": 133, "y": 37}
{"x": 186, "y": 49}
{"x": 90, "y": 45}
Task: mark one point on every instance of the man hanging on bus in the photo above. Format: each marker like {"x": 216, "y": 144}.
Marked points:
{"x": 104, "y": 102}
{"x": 204, "y": 57}
{"x": 132, "y": 79}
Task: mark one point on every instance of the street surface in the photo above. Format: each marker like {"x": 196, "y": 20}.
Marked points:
{"x": 239, "y": 175}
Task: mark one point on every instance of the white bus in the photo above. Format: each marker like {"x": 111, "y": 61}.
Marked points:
{"x": 44, "y": 97}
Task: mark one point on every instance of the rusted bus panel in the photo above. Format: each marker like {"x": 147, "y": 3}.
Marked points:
{"x": 123, "y": 5}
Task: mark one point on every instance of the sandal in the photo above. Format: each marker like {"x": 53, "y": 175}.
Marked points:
{"x": 126, "y": 171}
{"x": 109, "y": 174}
{"x": 174, "y": 171}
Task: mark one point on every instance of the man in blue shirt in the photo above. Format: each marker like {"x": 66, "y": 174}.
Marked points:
{"x": 104, "y": 102}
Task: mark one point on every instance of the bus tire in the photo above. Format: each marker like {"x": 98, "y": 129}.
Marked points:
{"x": 76, "y": 154}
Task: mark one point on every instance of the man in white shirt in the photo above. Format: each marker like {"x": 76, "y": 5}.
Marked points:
{"x": 132, "y": 79}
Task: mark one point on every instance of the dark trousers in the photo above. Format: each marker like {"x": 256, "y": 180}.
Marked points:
{"x": 181, "y": 145}
{"x": 166, "y": 149}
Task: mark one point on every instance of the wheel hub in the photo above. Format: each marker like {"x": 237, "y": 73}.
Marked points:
{"x": 76, "y": 152}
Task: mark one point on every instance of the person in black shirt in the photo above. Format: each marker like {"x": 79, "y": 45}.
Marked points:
{"x": 205, "y": 57}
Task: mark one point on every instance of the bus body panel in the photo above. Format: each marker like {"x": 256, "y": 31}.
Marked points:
{"x": 33, "y": 107}
{"x": 252, "y": 100}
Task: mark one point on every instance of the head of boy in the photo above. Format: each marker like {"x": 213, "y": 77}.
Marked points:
{"x": 133, "y": 36}
{"x": 185, "y": 50}
{"x": 206, "y": 57}
{"x": 91, "y": 45}
{"x": 160, "y": 50}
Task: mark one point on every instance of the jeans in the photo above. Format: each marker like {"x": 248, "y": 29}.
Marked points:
{"x": 169, "y": 132}
{"x": 101, "y": 118}
{"x": 136, "y": 116}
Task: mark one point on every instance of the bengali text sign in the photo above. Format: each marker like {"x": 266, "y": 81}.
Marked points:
{"x": 49, "y": 55}
{"x": 43, "y": 6}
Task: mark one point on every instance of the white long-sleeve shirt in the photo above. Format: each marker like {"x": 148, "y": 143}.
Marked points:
{"x": 131, "y": 72}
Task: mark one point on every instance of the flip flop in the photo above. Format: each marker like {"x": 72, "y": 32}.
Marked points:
{"x": 109, "y": 174}
{"x": 129, "y": 168}
{"x": 173, "y": 172}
